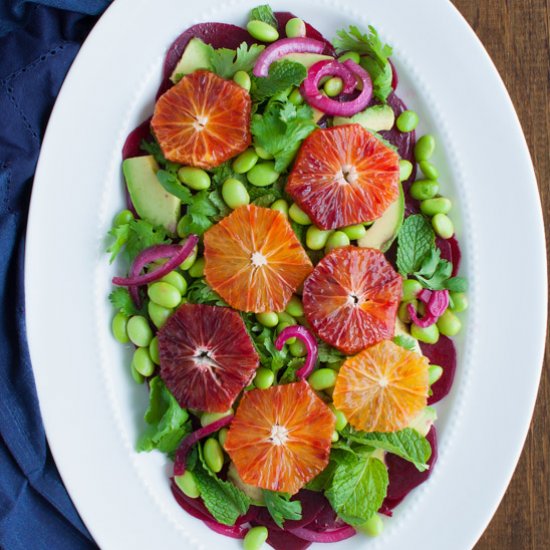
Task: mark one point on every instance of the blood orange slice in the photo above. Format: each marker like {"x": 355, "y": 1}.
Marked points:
{"x": 206, "y": 356}
{"x": 344, "y": 176}
{"x": 203, "y": 120}
{"x": 254, "y": 260}
{"x": 351, "y": 298}
{"x": 382, "y": 388}
{"x": 280, "y": 437}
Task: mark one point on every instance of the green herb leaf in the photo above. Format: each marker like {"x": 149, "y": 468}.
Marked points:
{"x": 226, "y": 62}
{"x": 199, "y": 292}
{"x": 121, "y": 300}
{"x": 281, "y": 507}
{"x": 295, "y": 364}
{"x": 415, "y": 240}
{"x": 201, "y": 214}
{"x": 407, "y": 342}
{"x": 456, "y": 284}
{"x": 120, "y": 235}
{"x": 381, "y": 76}
{"x": 328, "y": 354}
{"x": 153, "y": 148}
{"x": 282, "y": 75}
{"x": 363, "y": 43}
{"x": 172, "y": 185}
{"x": 263, "y": 13}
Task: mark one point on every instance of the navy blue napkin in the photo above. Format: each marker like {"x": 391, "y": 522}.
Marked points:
{"x": 37, "y": 46}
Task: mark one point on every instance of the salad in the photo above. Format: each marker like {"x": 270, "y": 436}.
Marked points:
{"x": 288, "y": 284}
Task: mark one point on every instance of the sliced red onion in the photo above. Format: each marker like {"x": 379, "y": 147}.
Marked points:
{"x": 283, "y": 47}
{"x": 192, "y": 438}
{"x": 233, "y": 531}
{"x": 437, "y": 301}
{"x": 427, "y": 321}
{"x": 302, "y": 333}
{"x": 333, "y": 107}
{"x": 336, "y": 535}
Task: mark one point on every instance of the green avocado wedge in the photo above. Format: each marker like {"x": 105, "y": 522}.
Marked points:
{"x": 195, "y": 56}
{"x": 376, "y": 118}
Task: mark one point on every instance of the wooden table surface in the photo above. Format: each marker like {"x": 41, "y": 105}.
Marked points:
{"x": 516, "y": 35}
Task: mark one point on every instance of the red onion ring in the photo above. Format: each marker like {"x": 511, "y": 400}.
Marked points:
{"x": 336, "y": 535}
{"x": 233, "y": 531}
{"x": 437, "y": 301}
{"x": 297, "y": 331}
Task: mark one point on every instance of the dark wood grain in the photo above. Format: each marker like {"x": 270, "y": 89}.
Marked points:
{"x": 516, "y": 35}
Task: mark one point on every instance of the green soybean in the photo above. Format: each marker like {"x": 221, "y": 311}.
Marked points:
{"x": 158, "y": 314}
{"x": 142, "y": 362}
{"x": 449, "y": 324}
{"x": 438, "y": 205}
{"x": 245, "y": 161}
{"x": 263, "y": 174}
{"x": 261, "y": 31}
{"x": 118, "y": 326}
{"x": 264, "y": 378}
{"x": 341, "y": 420}
{"x": 138, "y": 378}
{"x": 403, "y": 311}
{"x": 222, "y": 436}
{"x": 405, "y": 169}
{"x": 355, "y": 232}
{"x": 295, "y": 28}
{"x": 242, "y": 79}
{"x": 424, "y": 148}
{"x": 195, "y": 178}
{"x": 335, "y": 436}
{"x": 373, "y": 526}
{"x": 434, "y": 373}
{"x": 268, "y": 319}
{"x": 188, "y": 484}
{"x": 139, "y": 331}
{"x": 234, "y": 193}
{"x": 213, "y": 454}
{"x": 407, "y": 121}
{"x": 336, "y": 240}
{"x": 281, "y": 206}
{"x": 154, "y": 350}
{"x": 284, "y": 317}
{"x": 296, "y": 97}
{"x": 197, "y": 269}
{"x": 255, "y": 538}
{"x": 316, "y": 238}
{"x": 322, "y": 379}
{"x": 428, "y": 335}
{"x": 164, "y": 294}
{"x": 298, "y": 215}
{"x": 354, "y": 56}
{"x": 428, "y": 169}
{"x": 295, "y": 307}
{"x": 210, "y": 418}
{"x": 190, "y": 260}
{"x": 177, "y": 280}
{"x": 122, "y": 218}
{"x": 459, "y": 301}
{"x": 262, "y": 153}
{"x": 424, "y": 189}
{"x": 443, "y": 226}
{"x": 333, "y": 86}
{"x": 410, "y": 289}
{"x": 297, "y": 349}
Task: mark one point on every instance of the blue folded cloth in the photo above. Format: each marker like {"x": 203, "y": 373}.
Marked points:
{"x": 37, "y": 45}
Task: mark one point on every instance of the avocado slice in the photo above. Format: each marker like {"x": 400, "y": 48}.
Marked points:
{"x": 423, "y": 421}
{"x": 376, "y": 118}
{"x": 305, "y": 59}
{"x": 401, "y": 329}
{"x": 151, "y": 201}
{"x": 195, "y": 56}
{"x": 383, "y": 231}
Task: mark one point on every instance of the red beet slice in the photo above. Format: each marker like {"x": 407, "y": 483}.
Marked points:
{"x": 443, "y": 353}
{"x": 282, "y": 540}
{"x": 193, "y": 506}
{"x": 404, "y": 476}
{"x": 450, "y": 251}
{"x": 132, "y": 145}
{"x": 326, "y": 520}
{"x": 206, "y": 356}
{"x": 311, "y": 32}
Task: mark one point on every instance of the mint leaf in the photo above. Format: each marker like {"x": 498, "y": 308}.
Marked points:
{"x": 199, "y": 292}
{"x": 263, "y": 13}
{"x": 172, "y": 185}
{"x": 415, "y": 240}
{"x": 407, "y": 342}
{"x": 168, "y": 422}
{"x": 358, "y": 488}
{"x": 281, "y": 507}
{"x": 456, "y": 284}
{"x": 226, "y": 62}
{"x": 121, "y": 300}
{"x": 407, "y": 443}
{"x": 282, "y": 75}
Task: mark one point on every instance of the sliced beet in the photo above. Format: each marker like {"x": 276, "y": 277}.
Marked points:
{"x": 193, "y": 506}
{"x": 404, "y": 476}
{"x": 132, "y": 145}
{"x": 326, "y": 520}
{"x": 450, "y": 251}
{"x": 443, "y": 353}
{"x": 283, "y": 540}
{"x": 311, "y": 32}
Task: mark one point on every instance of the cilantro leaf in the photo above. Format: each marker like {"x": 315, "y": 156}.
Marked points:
{"x": 121, "y": 300}
{"x": 381, "y": 76}
{"x": 456, "y": 284}
{"x": 407, "y": 342}
{"x": 226, "y": 62}
{"x": 282, "y": 75}
{"x": 201, "y": 214}
{"x": 366, "y": 44}
{"x": 328, "y": 354}
{"x": 168, "y": 422}
{"x": 263, "y": 13}
{"x": 414, "y": 241}
{"x": 120, "y": 235}
{"x": 153, "y": 148}
{"x": 281, "y": 507}
{"x": 295, "y": 364}
{"x": 172, "y": 185}
{"x": 199, "y": 292}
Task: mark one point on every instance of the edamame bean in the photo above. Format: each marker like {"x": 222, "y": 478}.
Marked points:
{"x": 242, "y": 79}
{"x": 298, "y": 215}
{"x": 335, "y": 436}
{"x": 122, "y": 218}
{"x": 282, "y": 326}
{"x": 245, "y": 161}
{"x": 234, "y": 193}
{"x": 281, "y": 206}
{"x": 195, "y": 178}
{"x": 118, "y": 326}
{"x": 373, "y": 526}
{"x": 142, "y": 362}
{"x": 263, "y": 174}
{"x": 443, "y": 226}
{"x": 438, "y": 205}
{"x": 316, "y": 238}
{"x": 403, "y": 311}
{"x": 295, "y": 28}
{"x": 295, "y": 307}
{"x": 154, "y": 350}
{"x": 262, "y": 153}
{"x": 295, "y": 97}
{"x": 410, "y": 289}
{"x": 407, "y": 121}
{"x": 261, "y": 31}
{"x": 138, "y": 378}
{"x": 190, "y": 260}
{"x": 405, "y": 169}
{"x": 139, "y": 331}
{"x": 164, "y": 294}
{"x": 284, "y": 317}
{"x": 354, "y": 232}
{"x": 341, "y": 420}
{"x": 197, "y": 269}
{"x": 428, "y": 335}
{"x": 434, "y": 373}
{"x": 333, "y": 86}
{"x": 255, "y": 538}
{"x": 222, "y": 436}
{"x": 297, "y": 349}
{"x": 264, "y": 378}
{"x": 428, "y": 169}
{"x": 177, "y": 280}
{"x": 268, "y": 319}
{"x": 424, "y": 189}
{"x": 354, "y": 56}
{"x": 188, "y": 484}
{"x": 158, "y": 314}
{"x": 449, "y": 324}
{"x": 424, "y": 148}
{"x": 321, "y": 379}
{"x": 336, "y": 240}
{"x": 209, "y": 418}
{"x": 459, "y": 301}
{"x": 213, "y": 454}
